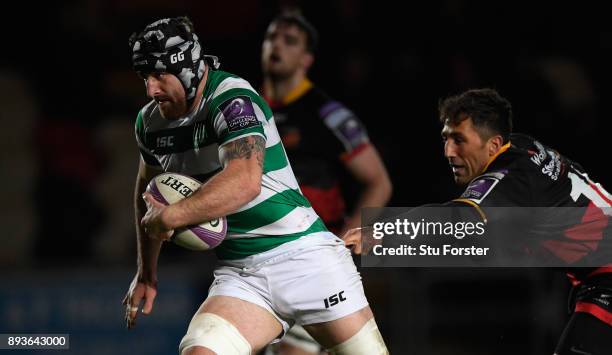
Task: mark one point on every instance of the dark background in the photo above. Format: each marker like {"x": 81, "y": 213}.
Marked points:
{"x": 69, "y": 157}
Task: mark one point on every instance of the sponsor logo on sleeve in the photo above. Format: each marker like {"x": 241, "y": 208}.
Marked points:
{"x": 352, "y": 131}
{"x": 480, "y": 188}
{"x": 239, "y": 113}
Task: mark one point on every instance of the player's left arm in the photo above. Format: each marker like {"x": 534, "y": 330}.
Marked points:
{"x": 237, "y": 184}
{"x": 361, "y": 159}
{"x": 368, "y": 168}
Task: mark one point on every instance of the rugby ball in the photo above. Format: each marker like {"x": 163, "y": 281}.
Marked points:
{"x": 169, "y": 188}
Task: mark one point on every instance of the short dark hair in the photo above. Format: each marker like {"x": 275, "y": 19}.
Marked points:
{"x": 296, "y": 19}
{"x": 486, "y": 107}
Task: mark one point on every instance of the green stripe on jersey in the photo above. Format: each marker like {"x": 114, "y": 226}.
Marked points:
{"x": 275, "y": 158}
{"x": 140, "y": 126}
{"x": 232, "y": 249}
{"x": 215, "y": 77}
{"x": 266, "y": 212}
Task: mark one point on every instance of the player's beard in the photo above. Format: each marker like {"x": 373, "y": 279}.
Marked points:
{"x": 172, "y": 110}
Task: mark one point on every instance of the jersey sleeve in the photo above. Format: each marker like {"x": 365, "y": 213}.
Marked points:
{"x": 346, "y": 127}
{"x": 146, "y": 155}
{"x": 481, "y": 188}
{"x": 484, "y": 191}
{"x": 239, "y": 115}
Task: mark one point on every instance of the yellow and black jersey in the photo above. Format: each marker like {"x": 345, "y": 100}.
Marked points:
{"x": 556, "y": 211}
{"x": 569, "y": 213}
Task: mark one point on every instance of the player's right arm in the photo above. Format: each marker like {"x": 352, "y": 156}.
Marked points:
{"x": 144, "y": 284}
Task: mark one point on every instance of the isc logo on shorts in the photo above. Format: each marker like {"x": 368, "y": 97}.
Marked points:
{"x": 334, "y": 299}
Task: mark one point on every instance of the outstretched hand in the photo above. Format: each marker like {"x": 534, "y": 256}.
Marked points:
{"x": 360, "y": 240}
{"x": 139, "y": 291}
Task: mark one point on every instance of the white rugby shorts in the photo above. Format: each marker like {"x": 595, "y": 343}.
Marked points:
{"x": 309, "y": 280}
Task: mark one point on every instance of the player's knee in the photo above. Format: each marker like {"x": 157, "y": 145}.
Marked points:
{"x": 367, "y": 341}
{"x": 212, "y": 332}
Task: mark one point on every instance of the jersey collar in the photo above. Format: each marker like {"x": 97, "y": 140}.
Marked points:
{"x": 499, "y": 152}
{"x": 297, "y": 91}
{"x": 293, "y": 95}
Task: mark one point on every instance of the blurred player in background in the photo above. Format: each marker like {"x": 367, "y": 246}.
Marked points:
{"x": 321, "y": 136}
{"x": 278, "y": 264}
{"x": 502, "y": 169}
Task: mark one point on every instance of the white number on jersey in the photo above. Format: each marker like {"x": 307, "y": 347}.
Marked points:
{"x": 582, "y": 185}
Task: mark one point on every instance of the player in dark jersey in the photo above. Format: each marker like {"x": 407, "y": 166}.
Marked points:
{"x": 502, "y": 169}
{"x": 321, "y": 136}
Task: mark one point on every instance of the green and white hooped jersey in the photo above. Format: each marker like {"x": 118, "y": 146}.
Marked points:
{"x": 231, "y": 109}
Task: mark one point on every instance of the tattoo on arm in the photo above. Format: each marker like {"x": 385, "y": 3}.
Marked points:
{"x": 243, "y": 148}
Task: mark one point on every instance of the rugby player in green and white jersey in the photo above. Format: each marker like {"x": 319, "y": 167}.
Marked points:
{"x": 278, "y": 265}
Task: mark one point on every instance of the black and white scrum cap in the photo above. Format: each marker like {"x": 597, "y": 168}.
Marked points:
{"x": 170, "y": 45}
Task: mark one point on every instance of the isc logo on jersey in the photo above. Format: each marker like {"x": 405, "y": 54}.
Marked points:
{"x": 169, "y": 188}
{"x": 163, "y": 142}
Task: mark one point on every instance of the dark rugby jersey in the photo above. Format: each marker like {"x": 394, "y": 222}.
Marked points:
{"x": 527, "y": 173}
{"x": 319, "y": 134}
{"x": 575, "y": 230}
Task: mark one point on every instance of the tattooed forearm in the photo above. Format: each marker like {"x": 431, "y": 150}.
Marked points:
{"x": 243, "y": 148}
